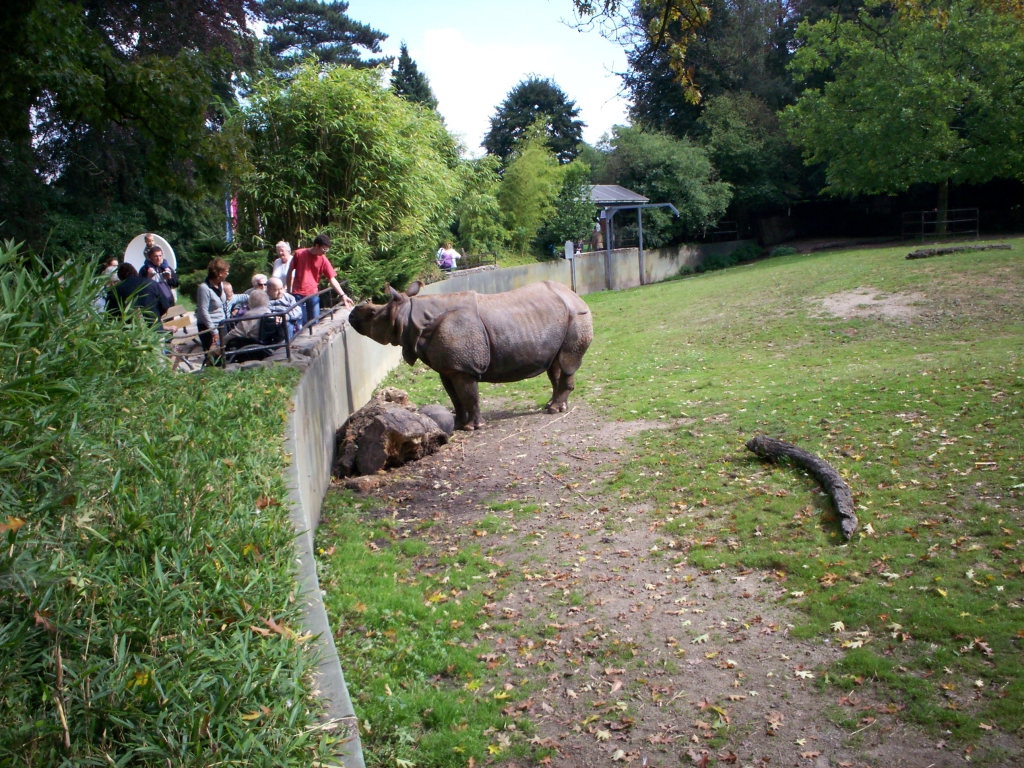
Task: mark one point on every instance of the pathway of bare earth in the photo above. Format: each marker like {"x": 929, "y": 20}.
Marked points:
{"x": 626, "y": 583}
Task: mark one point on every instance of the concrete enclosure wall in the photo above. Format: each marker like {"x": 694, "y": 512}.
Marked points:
{"x": 508, "y": 279}
{"x": 659, "y": 264}
{"x": 341, "y": 376}
{"x": 339, "y": 379}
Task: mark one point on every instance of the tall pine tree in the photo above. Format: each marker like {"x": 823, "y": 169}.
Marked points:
{"x": 408, "y": 82}
{"x": 299, "y": 28}
{"x": 525, "y": 104}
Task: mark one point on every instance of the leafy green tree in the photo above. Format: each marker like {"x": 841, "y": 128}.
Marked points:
{"x": 297, "y": 29}
{"x": 110, "y": 114}
{"x": 331, "y": 150}
{"x": 408, "y": 82}
{"x": 574, "y": 213}
{"x": 667, "y": 170}
{"x": 529, "y": 186}
{"x": 532, "y": 100}
{"x": 743, "y": 46}
{"x": 926, "y": 93}
{"x": 750, "y": 152}
{"x": 668, "y": 27}
{"x": 480, "y": 218}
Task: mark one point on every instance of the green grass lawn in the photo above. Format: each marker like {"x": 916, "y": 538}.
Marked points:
{"x": 922, "y": 416}
{"x": 405, "y": 616}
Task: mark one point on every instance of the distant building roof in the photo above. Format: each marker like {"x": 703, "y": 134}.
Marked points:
{"x": 613, "y": 194}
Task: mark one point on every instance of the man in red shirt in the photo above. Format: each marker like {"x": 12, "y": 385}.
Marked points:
{"x": 307, "y": 267}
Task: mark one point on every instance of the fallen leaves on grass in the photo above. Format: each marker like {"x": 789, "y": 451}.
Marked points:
{"x": 12, "y": 524}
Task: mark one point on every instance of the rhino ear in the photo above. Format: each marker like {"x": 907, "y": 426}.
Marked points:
{"x": 395, "y": 295}
{"x": 413, "y": 289}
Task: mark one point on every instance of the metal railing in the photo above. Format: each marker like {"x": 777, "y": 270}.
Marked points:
{"x": 289, "y": 338}
{"x": 956, "y": 222}
{"x": 723, "y": 231}
{"x": 476, "y": 260}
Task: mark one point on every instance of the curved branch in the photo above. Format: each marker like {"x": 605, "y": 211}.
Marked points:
{"x": 820, "y": 470}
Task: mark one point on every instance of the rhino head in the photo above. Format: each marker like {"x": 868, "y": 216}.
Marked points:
{"x": 384, "y": 323}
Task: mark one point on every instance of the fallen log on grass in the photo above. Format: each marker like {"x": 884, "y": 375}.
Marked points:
{"x": 389, "y": 432}
{"x": 820, "y": 470}
{"x": 927, "y": 253}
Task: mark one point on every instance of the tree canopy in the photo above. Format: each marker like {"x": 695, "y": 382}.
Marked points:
{"x": 748, "y": 150}
{"x": 532, "y": 100}
{"x": 528, "y": 187}
{"x": 331, "y": 150}
{"x": 408, "y": 82}
{"x": 919, "y": 94}
{"x": 111, "y": 113}
{"x": 297, "y": 29}
{"x": 667, "y": 170}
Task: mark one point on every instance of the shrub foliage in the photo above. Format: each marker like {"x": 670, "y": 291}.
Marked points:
{"x": 333, "y": 151}
{"x": 145, "y": 561}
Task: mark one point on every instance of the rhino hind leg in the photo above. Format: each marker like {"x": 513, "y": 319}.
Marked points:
{"x": 561, "y": 385}
{"x": 562, "y": 372}
{"x": 467, "y": 389}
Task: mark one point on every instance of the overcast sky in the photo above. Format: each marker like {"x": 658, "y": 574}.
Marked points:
{"x": 475, "y": 51}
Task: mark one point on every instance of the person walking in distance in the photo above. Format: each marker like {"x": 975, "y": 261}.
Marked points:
{"x": 307, "y": 267}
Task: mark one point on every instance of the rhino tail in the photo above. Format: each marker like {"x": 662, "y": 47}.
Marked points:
{"x": 578, "y": 335}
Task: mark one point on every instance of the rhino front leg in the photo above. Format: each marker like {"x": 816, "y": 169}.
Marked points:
{"x": 468, "y": 391}
{"x": 461, "y": 417}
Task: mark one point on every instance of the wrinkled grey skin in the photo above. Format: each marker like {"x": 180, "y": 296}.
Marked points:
{"x": 470, "y": 337}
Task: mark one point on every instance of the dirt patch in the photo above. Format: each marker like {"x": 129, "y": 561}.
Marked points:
{"x": 617, "y": 652}
{"x": 870, "y": 302}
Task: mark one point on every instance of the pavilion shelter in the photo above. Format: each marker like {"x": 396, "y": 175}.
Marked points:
{"x": 609, "y": 200}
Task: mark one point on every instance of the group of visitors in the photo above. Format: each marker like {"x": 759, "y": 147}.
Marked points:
{"x": 292, "y": 288}
{"x": 149, "y": 288}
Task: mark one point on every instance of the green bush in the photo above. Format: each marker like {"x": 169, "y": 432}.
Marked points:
{"x": 747, "y": 252}
{"x": 332, "y": 150}
{"x": 715, "y": 261}
{"x": 146, "y": 560}
{"x": 188, "y": 283}
{"x": 245, "y": 264}
{"x": 783, "y": 250}
{"x": 720, "y": 260}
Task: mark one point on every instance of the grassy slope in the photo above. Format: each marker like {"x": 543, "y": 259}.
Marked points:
{"x": 912, "y": 414}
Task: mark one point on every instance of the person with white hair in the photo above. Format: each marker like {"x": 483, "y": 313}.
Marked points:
{"x": 284, "y": 256}
{"x": 281, "y": 301}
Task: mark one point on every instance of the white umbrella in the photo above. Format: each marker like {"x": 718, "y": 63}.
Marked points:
{"x": 135, "y": 254}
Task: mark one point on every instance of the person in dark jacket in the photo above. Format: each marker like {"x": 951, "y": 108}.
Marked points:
{"x": 158, "y": 269}
{"x": 134, "y": 291}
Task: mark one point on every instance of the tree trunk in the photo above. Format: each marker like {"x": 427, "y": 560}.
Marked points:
{"x": 941, "y": 226}
{"x": 388, "y": 432}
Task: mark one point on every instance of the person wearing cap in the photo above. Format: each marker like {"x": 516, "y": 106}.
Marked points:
{"x": 307, "y": 267}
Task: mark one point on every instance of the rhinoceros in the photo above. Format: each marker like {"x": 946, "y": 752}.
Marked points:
{"x": 470, "y": 337}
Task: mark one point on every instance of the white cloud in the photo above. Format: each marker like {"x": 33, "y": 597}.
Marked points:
{"x": 471, "y": 78}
